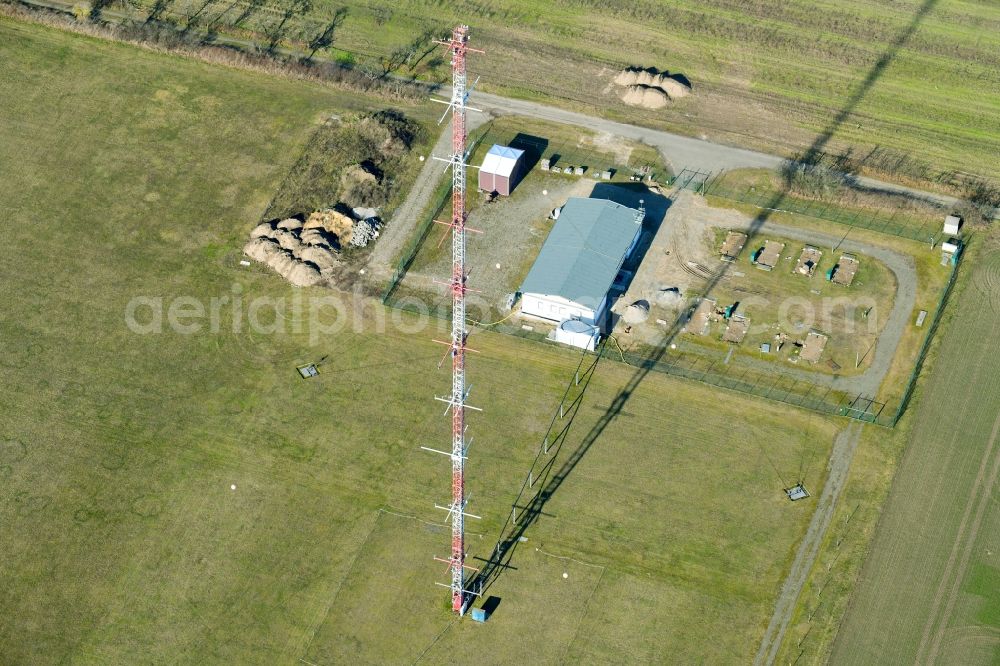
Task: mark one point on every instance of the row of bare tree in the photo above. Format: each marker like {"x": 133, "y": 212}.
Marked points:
{"x": 274, "y": 26}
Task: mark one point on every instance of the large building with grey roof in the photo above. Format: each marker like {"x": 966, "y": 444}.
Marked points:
{"x": 577, "y": 266}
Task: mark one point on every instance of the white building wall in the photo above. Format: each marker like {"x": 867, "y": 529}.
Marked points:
{"x": 556, "y": 308}
{"x": 584, "y": 340}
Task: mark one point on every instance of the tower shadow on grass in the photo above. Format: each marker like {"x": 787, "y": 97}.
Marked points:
{"x": 510, "y": 534}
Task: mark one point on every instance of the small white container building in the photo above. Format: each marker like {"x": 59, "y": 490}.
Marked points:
{"x": 577, "y": 266}
{"x": 501, "y": 169}
{"x": 952, "y": 224}
{"x": 578, "y": 333}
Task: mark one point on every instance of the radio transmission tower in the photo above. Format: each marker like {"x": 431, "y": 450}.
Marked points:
{"x": 458, "y": 48}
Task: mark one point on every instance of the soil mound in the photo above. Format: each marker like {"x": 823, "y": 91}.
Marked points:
{"x": 674, "y": 88}
{"x": 636, "y": 313}
{"x": 322, "y": 258}
{"x": 291, "y": 224}
{"x": 263, "y": 230}
{"x": 650, "y": 88}
{"x": 647, "y": 97}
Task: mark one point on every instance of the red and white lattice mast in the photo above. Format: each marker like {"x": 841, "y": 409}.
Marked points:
{"x": 458, "y": 47}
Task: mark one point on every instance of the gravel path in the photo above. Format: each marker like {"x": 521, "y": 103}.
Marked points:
{"x": 903, "y": 268}
{"x": 399, "y": 230}
{"x": 679, "y": 151}
{"x": 844, "y": 447}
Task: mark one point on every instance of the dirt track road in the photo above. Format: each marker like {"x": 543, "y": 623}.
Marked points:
{"x": 844, "y": 447}
{"x": 400, "y": 228}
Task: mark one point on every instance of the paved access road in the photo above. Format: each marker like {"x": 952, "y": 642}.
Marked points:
{"x": 679, "y": 151}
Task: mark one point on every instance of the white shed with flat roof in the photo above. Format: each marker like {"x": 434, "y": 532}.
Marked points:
{"x": 952, "y": 224}
{"x": 501, "y": 169}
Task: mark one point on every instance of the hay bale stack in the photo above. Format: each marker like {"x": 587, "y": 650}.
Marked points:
{"x": 291, "y": 224}
{"x": 262, "y": 230}
{"x": 333, "y": 221}
{"x": 322, "y": 258}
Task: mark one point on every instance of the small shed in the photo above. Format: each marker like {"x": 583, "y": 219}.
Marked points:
{"x": 733, "y": 245}
{"x": 501, "y": 169}
{"x": 737, "y": 329}
{"x": 845, "y": 270}
{"x": 950, "y": 246}
{"x": 952, "y": 224}
{"x": 808, "y": 260}
{"x": 766, "y": 258}
{"x": 698, "y": 324}
{"x": 812, "y": 348}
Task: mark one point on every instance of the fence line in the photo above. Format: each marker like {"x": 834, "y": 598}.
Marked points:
{"x": 775, "y": 386}
{"x": 925, "y": 347}
{"x": 529, "y": 500}
{"x": 879, "y": 222}
{"x": 423, "y": 229}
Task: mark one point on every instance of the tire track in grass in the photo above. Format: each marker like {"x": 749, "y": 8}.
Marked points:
{"x": 980, "y": 497}
{"x": 962, "y": 545}
{"x": 962, "y": 417}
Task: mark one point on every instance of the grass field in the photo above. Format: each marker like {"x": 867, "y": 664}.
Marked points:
{"x": 929, "y": 574}
{"x": 886, "y": 214}
{"x": 928, "y": 588}
{"x": 136, "y": 175}
{"x": 917, "y": 80}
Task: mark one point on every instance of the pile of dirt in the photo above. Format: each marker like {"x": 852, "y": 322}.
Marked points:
{"x": 360, "y": 160}
{"x": 361, "y": 184}
{"x": 650, "y": 88}
{"x": 669, "y": 297}
{"x": 648, "y": 97}
{"x": 637, "y": 313}
{"x": 302, "y": 256}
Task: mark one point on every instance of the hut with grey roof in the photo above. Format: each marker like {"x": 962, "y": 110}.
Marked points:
{"x": 579, "y": 261}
